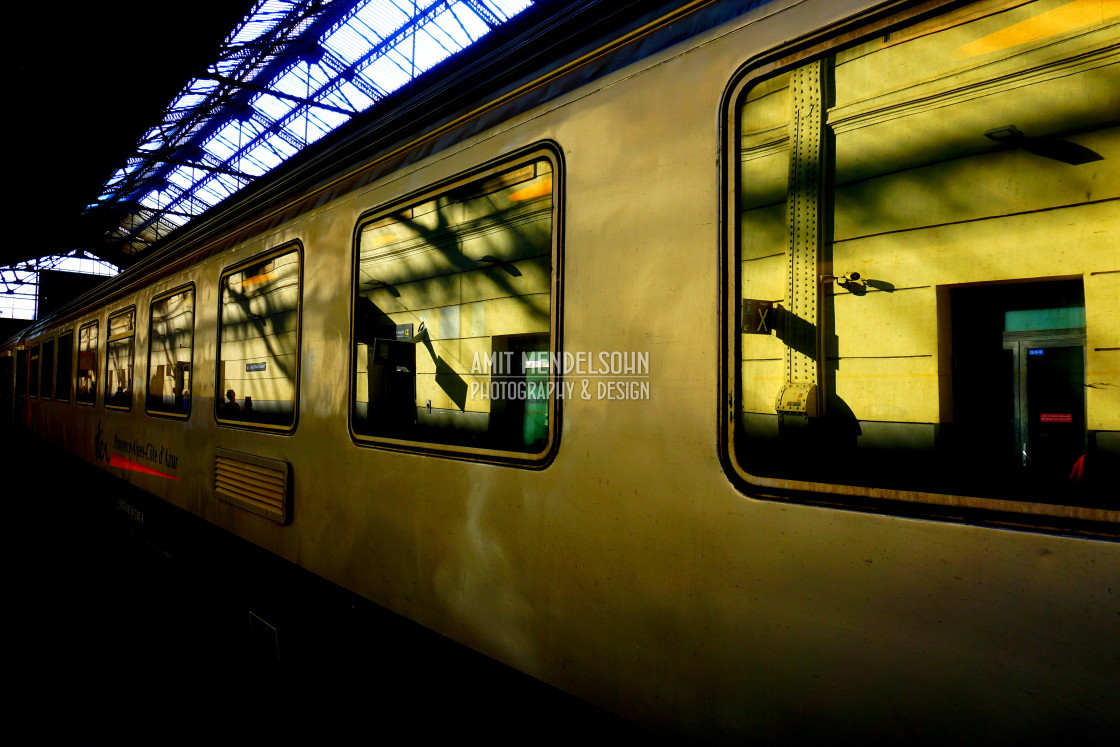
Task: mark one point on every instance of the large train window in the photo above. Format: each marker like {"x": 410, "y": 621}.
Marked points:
{"x": 170, "y": 347}
{"x": 46, "y": 369}
{"x": 119, "y": 353}
{"x": 87, "y": 364}
{"x": 33, "y": 371}
{"x": 923, "y": 270}
{"x": 65, "y": 369}
{"x": 455, "y": 317}
{"x": 259, "y": 342}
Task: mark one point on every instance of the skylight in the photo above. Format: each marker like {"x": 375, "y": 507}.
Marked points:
{"x": 19, "y": 283}
{"x": 359, "y": 51}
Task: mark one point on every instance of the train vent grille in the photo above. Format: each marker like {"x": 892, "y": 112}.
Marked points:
{"x": 253, "y": 483}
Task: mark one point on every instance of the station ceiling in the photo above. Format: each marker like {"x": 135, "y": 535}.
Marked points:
{"x": 126, "y": 118}
{"x": 85, "y": 81}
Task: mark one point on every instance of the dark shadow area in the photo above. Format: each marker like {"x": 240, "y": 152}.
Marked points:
{"x": 136, "y": 616}
{"x": 797, "y": 333}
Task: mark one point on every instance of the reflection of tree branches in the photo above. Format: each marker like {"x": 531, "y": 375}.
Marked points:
{"x": 243, "y": 301}
{"x": 448, "y": 239}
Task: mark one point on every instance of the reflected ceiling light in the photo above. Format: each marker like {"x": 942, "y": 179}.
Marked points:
{"x": 1008, "y": 134}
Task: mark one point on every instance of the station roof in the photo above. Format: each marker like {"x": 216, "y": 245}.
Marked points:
{"x": 128, "y": 118}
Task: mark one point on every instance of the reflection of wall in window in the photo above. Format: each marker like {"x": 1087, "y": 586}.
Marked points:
{"x": 467, "y": 271}
{"x": 46, "y": 370}
{"x": 65, "y": 365}
{"x": 118, "y": 360}
{"x": 87, "y": 364}
{"x": 921, "y": 201}
{"x": 259, "y": 342}
{"x": 33, "y": 373}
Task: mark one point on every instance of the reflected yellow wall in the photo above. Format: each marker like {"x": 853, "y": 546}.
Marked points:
{"x": 923, "y": 200}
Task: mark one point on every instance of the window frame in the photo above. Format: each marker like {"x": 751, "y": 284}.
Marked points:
{"x": 129, "y": 335}
{"x": 219, "y": 395}
{"x": 95, "y": 324}
{"x": 183, "y": 415}
{"x": 548, "y": 151}
{"x": 34, "y": 372}
{"x": 1003, "y": 512}
{"x": 59, "y": 373}
{"x": 47, "y": 377}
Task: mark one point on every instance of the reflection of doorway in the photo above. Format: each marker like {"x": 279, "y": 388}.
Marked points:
{"x": 1049, "y": 401}
{"x": 1019, "y": 377}
{"x": 520, "y": 418}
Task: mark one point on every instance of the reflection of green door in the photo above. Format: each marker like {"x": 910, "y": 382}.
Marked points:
{"x": 521, "y": 416}
{"x": 535, "y": 425}
{"x": 1049, "y": 410}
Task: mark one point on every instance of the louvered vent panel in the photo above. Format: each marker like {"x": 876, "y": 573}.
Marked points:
{"x": 253, "y": 483}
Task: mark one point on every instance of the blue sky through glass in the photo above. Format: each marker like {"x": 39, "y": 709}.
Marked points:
{"x": 378, "y": 47}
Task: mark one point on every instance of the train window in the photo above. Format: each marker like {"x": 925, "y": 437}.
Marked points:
{"x": 8, "y": 388}
{"x": 87, "y": 364}
{"x": 46, "y": 370}
{"x": 33, "y": 371}
{"x": 64, "y": 371}
{"x": 259, "y": 342}
{"x": 454, "y": 317}
{"x": 21, "y": 372}
{"x": 922, "y": 275}
{"x": 118, "y": 360}
{"x": 170, "y": 345}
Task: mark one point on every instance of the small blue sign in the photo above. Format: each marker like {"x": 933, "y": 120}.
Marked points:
{"x": 249, "y": 367}
{"x": 1036, "y": 351}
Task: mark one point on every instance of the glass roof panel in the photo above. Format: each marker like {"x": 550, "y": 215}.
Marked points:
{"x": 360, "y": 50}
{"x": 273, "y": 107}
{"x": 381, "y": 19}
{"x": 350, "y": 43}
{"x": 346, "y": 95}
{"x": 386, "y": 74}
{"x": 264, "y": 18}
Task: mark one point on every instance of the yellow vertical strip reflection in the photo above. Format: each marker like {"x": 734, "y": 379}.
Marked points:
{"x": 1072, "y": 15}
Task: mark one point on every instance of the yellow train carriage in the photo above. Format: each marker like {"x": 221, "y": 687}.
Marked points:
{"x": 827, "y": 333}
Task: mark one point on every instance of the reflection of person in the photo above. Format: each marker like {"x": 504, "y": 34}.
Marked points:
{"x": 231, "y": 408}
{"x": 248, "y": 407}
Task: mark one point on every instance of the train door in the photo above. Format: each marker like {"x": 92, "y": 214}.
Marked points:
{"x": 1049, "y": 402}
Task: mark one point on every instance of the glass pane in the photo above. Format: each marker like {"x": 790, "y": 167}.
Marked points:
{"x": 118, "y": 360}
{"x": 65, "y": 366}
{"x": 906, "y": 210}
{"x": 1055, "y": 409}
{"x": 259, "y": 342}
{"x": 46, "y": 370}
{"x": 454, "y": 316}
{"x": 170, "y": 344}
{"x": 87, "y": 364}
{"x": 33, "y": 373}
